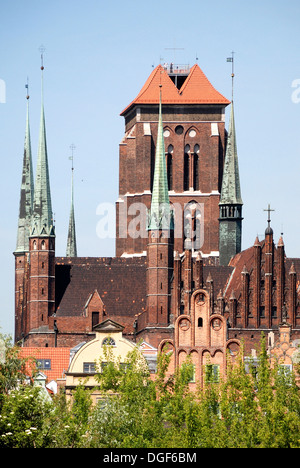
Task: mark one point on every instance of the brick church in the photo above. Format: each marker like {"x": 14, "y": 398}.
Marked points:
{"x": 179, "y": 275}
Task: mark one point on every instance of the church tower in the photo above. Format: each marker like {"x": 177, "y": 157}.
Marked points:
{"x": 160, "y": 240}
{"x": 24, "y": 225}
{"x": 194, "y": 135}
{"x": 231, "y": 200}
{"x": 41, "y": 243}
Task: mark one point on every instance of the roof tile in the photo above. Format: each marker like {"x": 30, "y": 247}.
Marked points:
{"x": 196, "y": 89}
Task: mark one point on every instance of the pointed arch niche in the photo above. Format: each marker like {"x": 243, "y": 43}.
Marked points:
{"x": 191, "y": 160}
{"x": 169, "y": 162}
{"x": 201, "y": 313}
{"x": 183, "y": 331}
{"x": 186, "y": 168}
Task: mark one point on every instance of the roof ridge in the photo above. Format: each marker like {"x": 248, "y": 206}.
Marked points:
{"x": 151, "y": 78}
{"x": 197, "y": 89}
{"x": 188, "y": 79}
{"x": 195, "y": 72}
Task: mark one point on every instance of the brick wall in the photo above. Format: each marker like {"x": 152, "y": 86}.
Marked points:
{"x": 202, "y": 141}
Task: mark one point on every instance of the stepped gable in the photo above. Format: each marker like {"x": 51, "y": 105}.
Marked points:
{"x": 120, "y": 282}
{"x": 246, "y": 259}
{"x": 196, "y": 89}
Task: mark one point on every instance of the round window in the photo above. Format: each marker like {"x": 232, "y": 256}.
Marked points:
{"x": 179, "y": 130}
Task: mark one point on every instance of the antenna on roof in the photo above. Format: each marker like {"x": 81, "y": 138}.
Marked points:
{"x": 174, "y": 50}
{"x": 231, "y": 59}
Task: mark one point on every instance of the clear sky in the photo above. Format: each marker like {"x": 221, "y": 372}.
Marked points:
{"x": 98, "y": 56}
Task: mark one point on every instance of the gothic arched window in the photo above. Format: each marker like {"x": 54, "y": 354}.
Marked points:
{"x": 186, "y": 168}
{"x": 170, "y": 167}
{"x": 196, "y": 168}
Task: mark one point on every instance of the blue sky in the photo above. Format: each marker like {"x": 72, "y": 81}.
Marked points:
{"x": 98, "y": 55}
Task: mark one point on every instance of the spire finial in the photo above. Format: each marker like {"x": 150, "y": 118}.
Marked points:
{"x": 72, "y": 148}
{"x": 231, "y": 59}
{"x": 42, "y": 50}
{"x": 27, "y": 89}
{"x": 269, "y": 214}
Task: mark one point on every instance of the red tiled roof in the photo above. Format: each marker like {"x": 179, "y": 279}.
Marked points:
{"x": 59, "y": 358}
{"x": 196, "y": 89}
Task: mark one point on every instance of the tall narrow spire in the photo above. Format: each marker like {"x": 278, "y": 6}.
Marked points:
{"x": 160, "y": 213}
{"x": 71, "y": 241}
{"x": 42, "y": 223}
{"x": 231, "y": 188}
{"x": 230, "y": 234}
{"x": 26, "y": 193}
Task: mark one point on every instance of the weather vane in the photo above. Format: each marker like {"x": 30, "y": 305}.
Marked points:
{"x": 27, "y": 89}
{"x": 231, "y": 59}
{"x": 72, "y": 148}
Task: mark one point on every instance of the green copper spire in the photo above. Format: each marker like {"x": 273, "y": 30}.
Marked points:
{"x": 160, "y": 213}
{"x": 231, "y": 189}
{"x": 230, "y": 220}
{"x": 42, "y": 222}
{"x": 71, "y": 242}
{"x": 26, "y": 193}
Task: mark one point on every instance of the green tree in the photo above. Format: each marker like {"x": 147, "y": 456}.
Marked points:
{"x": 12, "y": 366}
{"x": 255, "y": 405}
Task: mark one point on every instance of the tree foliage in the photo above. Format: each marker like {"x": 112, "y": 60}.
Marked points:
{"x": 254, "y": 406}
